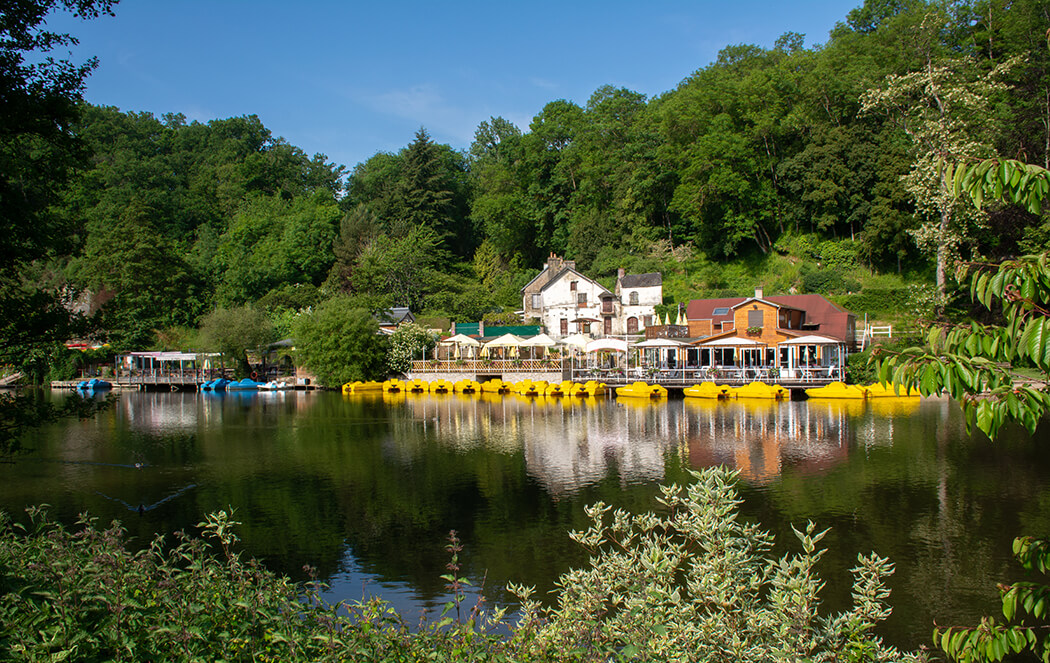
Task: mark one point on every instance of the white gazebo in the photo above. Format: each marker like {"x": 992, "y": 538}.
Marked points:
{"x": 651, "y": 349}
{"x": 813, "y": 357}
{"x": 731, "y": 354}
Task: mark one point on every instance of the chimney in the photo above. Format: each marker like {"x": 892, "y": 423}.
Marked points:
{"x": 620, "y": 273}
{"x": 758, "y": 292}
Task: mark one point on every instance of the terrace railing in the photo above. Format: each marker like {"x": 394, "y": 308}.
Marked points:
{"x": 486, "y": 365}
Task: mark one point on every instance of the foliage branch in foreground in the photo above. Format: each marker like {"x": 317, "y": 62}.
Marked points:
{"x": 692, "y": 583}
{"x": 975, "y": 364}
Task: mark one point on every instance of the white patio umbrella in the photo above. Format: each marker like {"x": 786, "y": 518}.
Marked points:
{"x": 576, "y": 340}
{"x": 660, "y": 343}
{"x": 505, "y": 341}
{"x": 460, "y": 340}
{"x": 731, "y": 342}
{"x": 608, "y": 345}
{"x": 812, "y": 339}
{"x": 735, "y": 342}
{"x": 654, "y": 343}
{"x": 539, "y": 341}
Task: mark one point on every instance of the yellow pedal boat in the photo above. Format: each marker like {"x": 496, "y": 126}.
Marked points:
{"x": 417, "y": 385}
{"x": 357, "y": 387}
{"x": 440, "y": 386}
{"x": 466, "y": 386}
{"x": 642, "y": 390}
{"x": 590, "y": 388}
{"x": 761, "y": 390}
{"x": 707, "y": 390}
{"x": 530, "y": 387}
{"x": 496, "y": 386}
{"x": 393, "y": 386}
{"x": 878, "y": 391}
{"x": 563, "y": 388}
{"x": 838, "y": 390}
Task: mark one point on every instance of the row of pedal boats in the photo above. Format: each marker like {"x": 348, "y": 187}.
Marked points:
{"x": 247, "y": 384}
{"x": 836, "y": 390}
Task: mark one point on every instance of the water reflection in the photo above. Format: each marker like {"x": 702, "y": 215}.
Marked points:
{"x": 570, "y": 443}
{"x": 366, "y": 487}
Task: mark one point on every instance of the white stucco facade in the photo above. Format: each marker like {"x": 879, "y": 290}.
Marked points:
{"x": 569, "y": 298}
{"x": 566, "y": 301}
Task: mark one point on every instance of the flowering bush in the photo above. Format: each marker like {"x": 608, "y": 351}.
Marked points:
{"x": 409, "y": 341}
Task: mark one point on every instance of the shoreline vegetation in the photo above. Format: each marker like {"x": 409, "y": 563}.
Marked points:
{"x": 687, "y": 582}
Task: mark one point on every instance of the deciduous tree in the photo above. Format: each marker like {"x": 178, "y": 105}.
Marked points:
{"x": 340, "y": 343}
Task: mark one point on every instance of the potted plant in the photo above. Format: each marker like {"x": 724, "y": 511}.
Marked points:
{"x": 754, "y": 331}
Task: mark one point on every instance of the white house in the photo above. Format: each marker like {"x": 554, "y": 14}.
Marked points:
{"x": 638, "y": 294}
{"x": 566, "y": 301}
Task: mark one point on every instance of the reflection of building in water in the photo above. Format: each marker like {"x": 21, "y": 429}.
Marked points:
{"x": 759, "y": 437}
{"x": 567, "y": 442}
{"x": 156, "y": 411}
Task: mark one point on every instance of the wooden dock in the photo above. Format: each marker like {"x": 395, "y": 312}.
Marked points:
{"x": 140, "y": 383}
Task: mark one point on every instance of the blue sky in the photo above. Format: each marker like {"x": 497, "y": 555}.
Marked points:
{"x": 349, "y": 79}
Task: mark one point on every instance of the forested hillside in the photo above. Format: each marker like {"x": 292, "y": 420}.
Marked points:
{"x": 812, "y": 168}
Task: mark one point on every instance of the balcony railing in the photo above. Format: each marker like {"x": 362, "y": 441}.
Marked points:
{"x": 486, "y": 365}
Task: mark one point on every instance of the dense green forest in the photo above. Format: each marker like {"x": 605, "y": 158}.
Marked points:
{"x": 792, "y": 167}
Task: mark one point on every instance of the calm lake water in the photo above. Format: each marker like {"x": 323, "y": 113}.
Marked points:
{"x": 365, "y": 489}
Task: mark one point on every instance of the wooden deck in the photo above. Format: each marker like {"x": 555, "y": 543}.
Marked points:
{"x": 141, "y": 383}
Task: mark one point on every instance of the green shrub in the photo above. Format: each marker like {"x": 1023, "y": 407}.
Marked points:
{"x": 824, "y": 281}
{"x": 877, "y": 301}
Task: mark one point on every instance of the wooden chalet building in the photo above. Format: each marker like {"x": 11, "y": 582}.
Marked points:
{"x": 793, "y": 337}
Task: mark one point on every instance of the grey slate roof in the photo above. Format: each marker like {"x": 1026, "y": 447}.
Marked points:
{"x": 642, "y": 280}
{"x": 396, "y": 315}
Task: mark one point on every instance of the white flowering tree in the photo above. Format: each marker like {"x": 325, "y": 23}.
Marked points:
{"x": 409, "y": 341}
{"x": 944, "y": 109}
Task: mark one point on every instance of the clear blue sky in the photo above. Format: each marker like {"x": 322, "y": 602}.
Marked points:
{"x": 349, "y": 79}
